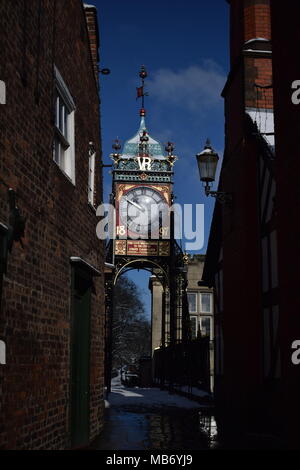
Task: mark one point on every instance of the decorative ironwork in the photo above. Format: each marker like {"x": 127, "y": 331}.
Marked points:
{"x": 185, "y": 258}
{"x": 221, "y": 197}
{"x": 157, "y": 266}
{"x": 132, "y": 164}
{"x": 171, "y": 158}
{"x": 158, "y": 178}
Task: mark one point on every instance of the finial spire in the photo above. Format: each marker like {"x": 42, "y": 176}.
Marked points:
{"x": 140, "y": 90}
{"x": 116, "y": 145}
{"x": 207, "y": 144}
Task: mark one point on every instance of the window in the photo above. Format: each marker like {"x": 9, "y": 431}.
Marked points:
{"x": 192, "y": 299}
{"x": 2, "y": 92}
{"x": 193, "y": 324}
{"x": 64, "y": 139}
{"x": 2, "y": 352}
{"x": 205, "y": 323}
{"x": 91, "y": 183}
{"x": 206, "y": 303}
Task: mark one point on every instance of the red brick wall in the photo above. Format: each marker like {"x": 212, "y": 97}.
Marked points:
{"x": 241, "y": 384}
{"x": 241, "y": 285}
{"x": 35, "y": 317}
{"x": 250, "y": 19}
{"x": 92, "y": 24}
{"x": 258, "y": 71}
{"x": 257, "y": 19}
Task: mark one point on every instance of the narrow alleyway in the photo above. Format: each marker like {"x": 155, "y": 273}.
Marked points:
{"x": 148, "y": 419}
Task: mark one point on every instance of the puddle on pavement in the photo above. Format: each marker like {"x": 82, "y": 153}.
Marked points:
{"x": 142, "y": 428}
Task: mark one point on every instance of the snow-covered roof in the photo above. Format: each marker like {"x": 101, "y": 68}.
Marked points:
{"x": 257, "y": 39}
{"x": 86, "y": 5}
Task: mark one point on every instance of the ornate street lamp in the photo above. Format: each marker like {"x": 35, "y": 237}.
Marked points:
{"x": 207, "y": 162}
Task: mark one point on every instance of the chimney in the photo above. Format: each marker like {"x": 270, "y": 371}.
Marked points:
{"x": 250, "y": 41}
{"x": 249, "y": 19}
{"x": 258, "y": 51}
{"x": 93, "y": 32}
{"x": 257, "y": 19}
{"x": 249, "y": 85}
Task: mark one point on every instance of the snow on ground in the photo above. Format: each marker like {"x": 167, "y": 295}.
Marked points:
{"x": 154, "y": 397}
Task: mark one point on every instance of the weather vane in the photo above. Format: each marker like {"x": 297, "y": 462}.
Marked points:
{"x": 140, "y": 90}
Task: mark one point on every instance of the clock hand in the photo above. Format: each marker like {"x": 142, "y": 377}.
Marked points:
{"x": 136, "y": 205}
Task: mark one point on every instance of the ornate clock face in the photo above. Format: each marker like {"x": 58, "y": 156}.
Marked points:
{"x": 141, "y": 209}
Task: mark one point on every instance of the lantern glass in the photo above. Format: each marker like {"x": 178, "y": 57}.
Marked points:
{"x": 207, "y": 164}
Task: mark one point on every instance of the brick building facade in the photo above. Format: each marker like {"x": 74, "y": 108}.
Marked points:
{"x": 201, "y": 310}
{"x": 286, "y": 76}
{"x": 52, "y": 316}
{"x": 241, "y": 258}
{"x": 252, "y": 256}
{"x": 201, "y": 307}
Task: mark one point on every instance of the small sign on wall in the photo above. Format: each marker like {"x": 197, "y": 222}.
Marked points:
{"x": 2, "y": 352}
{"x": 2, "y": 92}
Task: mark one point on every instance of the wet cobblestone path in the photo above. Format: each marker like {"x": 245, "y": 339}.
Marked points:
{"x": 151, "y": 419}
{"x": 153, "y": 429}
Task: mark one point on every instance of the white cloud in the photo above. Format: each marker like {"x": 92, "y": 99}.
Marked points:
{"x": 194, "y": 88}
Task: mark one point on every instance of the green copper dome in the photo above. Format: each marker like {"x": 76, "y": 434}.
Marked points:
{"x": 131, "y": 146}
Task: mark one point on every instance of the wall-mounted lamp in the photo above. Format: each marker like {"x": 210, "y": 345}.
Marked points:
{"x": 207, "y": 163}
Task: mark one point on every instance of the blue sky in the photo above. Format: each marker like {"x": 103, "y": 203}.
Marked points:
{"x": 184, "y": 46}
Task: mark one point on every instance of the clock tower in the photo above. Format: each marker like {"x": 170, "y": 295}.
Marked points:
{"x": 142, "y": 194}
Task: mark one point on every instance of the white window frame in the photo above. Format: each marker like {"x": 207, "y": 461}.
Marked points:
{"x": 194, "y": 318}
{"x": 205, "y": 293}
{"x": 193, "y": 293}
{"x": 2, "y": 92}
{"x": 204, "y": 317}
{"x": 64, "y": 139}
{"x": 91, "y": 177}
{"x": 2, "y": 352}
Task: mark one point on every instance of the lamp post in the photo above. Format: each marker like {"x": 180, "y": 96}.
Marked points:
{"x": 207, "y": 162}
